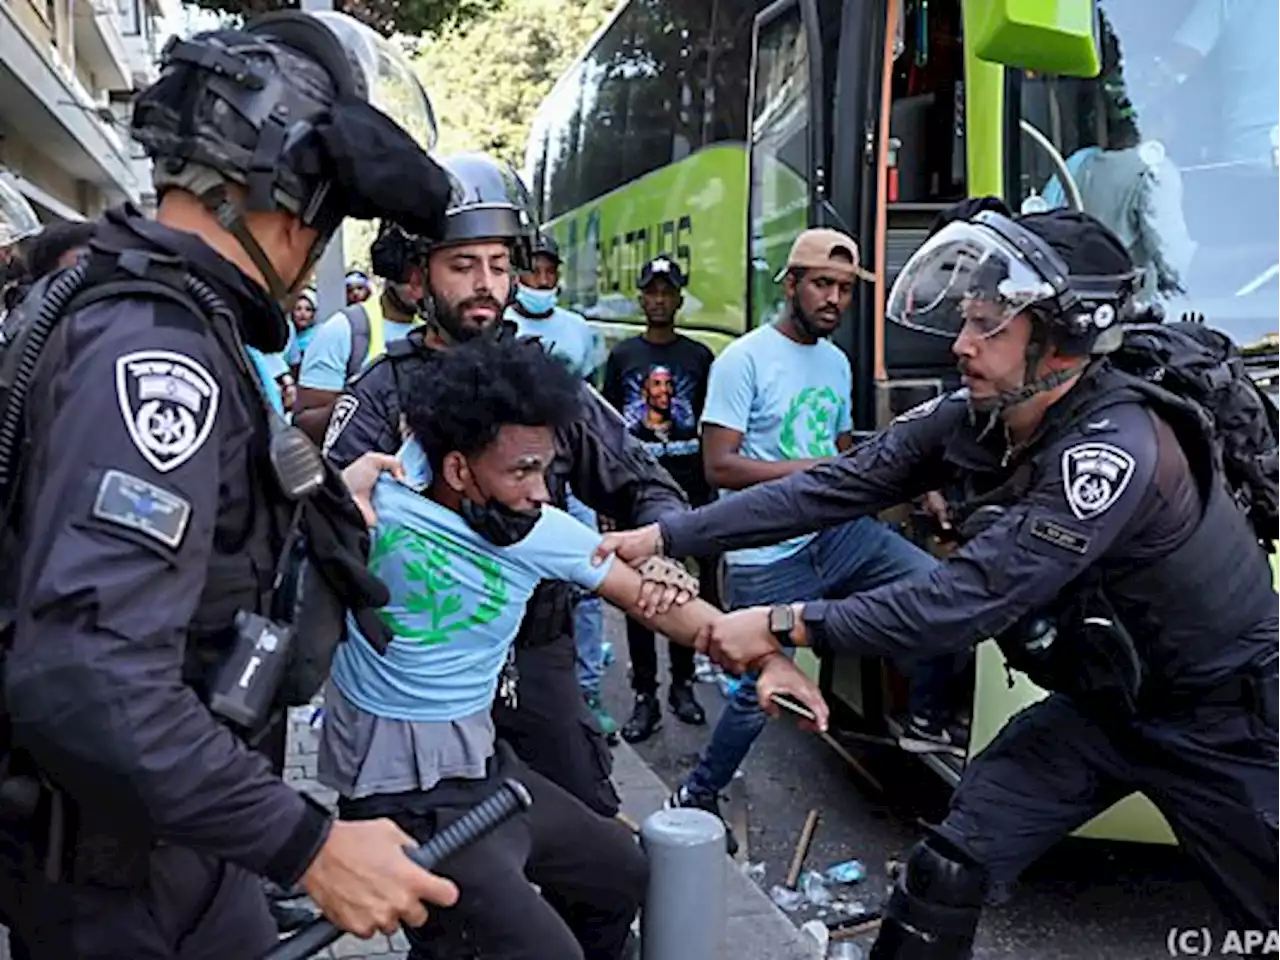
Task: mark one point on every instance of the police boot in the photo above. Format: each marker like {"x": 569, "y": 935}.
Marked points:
{"x": 933, "y": 911}
{"x": 645, "y": 719}
{"x": 684, "y": 704}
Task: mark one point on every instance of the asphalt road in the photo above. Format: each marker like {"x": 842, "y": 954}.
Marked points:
{"x": 1085, "y": 900}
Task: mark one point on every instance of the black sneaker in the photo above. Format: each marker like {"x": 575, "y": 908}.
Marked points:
{"x": 683, "y": 798}
{"x": 685, "y": 705}
{"x": 646, "y": 718}
{"x": 290, "y": 916}
{"x": 922, "y": 735}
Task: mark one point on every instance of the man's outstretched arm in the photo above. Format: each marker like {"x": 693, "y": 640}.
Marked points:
{"x": 899, "y": 464}
{"x": 623, "y": 587}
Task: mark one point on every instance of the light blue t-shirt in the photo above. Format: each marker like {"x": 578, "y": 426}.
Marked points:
{"x": 324, "y": 364}
{"x": 567, "y": 336}
{"x": 270, "y": 366}
{"x": 456, "y": 604}
{"x": 299, "y": 340}
{"x": 788, "y": 400}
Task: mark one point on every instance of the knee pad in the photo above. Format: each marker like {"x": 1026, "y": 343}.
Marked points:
{"x": 933, "y": 911}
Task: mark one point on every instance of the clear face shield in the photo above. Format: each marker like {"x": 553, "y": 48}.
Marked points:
{"x": 966, "y": 277}
{"x": 391, "y": 84}
{"x": 18, "y": 220}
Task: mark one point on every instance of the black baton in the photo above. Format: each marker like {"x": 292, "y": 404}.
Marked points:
{"x": 512, "y": 798}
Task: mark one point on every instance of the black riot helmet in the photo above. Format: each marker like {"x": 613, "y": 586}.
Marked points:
{"x": 488, "y": 201}
{"x": 313, "y": 114}
{"x": 1064, "y": 269}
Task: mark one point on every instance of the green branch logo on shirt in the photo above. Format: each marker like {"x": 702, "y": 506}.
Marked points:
{"x": 421, "y": 566}
{"x": 808, "y": 426}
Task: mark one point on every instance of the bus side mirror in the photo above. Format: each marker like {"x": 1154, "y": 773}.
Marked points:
{"x": 1046, "y": 37}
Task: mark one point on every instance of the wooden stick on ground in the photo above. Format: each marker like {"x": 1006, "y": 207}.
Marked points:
{"x": 802, "y": 849}
{"x": 627, "y": 822}
{"x": 848, "y": 933}
{"x": 848, "y": 758}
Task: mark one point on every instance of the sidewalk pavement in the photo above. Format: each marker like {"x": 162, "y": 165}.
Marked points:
{"x": 756, "y": 930}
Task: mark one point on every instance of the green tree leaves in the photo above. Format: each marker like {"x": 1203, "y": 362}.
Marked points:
{"x": 412, "y": 17}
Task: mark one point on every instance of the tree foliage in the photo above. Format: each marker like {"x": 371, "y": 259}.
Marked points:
{"x": 487, "y": 76}
{"x": 412, "y": 17}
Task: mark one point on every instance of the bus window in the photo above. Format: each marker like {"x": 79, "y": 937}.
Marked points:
{"x": 927, "y": 113}
{"x": 780, "y": 162}
{"x": 535, "y": 164}
{"x": 1173, "y": 146}
{"x": 605, "y": 139}
{"x": 564, "y": 119}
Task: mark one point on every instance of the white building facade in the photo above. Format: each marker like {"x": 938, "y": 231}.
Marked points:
{"x": 68, "y": 70}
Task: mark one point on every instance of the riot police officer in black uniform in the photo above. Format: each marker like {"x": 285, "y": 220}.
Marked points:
{"x": 468, "y": 272}
{"x": 153, "y": 511}
{"x": 1104, "y": 552}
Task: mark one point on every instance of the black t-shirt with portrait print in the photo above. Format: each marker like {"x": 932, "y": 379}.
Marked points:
{"x": 660, "y": 389}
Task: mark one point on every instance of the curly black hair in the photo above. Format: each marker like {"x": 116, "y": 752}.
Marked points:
{"x": 471, "y": 391}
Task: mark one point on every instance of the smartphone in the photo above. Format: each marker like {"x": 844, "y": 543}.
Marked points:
{"x": 793, "y": 706}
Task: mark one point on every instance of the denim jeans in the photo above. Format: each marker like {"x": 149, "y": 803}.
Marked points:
{"x": 588, "y": 617}
{"x": 859, "y": 555}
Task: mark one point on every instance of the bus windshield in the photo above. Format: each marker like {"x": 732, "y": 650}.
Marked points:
{"x": 1174, "y": 146}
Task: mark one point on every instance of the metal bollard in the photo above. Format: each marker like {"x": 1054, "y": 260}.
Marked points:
{"x": 684, "y": 916}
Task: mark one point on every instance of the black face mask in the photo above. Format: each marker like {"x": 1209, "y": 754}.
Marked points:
{"x": 498, "y": 523}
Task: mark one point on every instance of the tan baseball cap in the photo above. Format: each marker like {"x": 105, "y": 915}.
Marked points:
{"x": 826, "y": 249}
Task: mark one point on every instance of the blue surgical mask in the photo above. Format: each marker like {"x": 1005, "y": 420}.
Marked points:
{"x": 417, "y": 471}
{"x": 535, "y": 301}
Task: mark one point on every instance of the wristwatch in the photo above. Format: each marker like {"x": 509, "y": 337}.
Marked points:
{"x": 782, "y": 621}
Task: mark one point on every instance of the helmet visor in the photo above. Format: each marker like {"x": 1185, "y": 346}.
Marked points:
{"x": 393, "y": 88}
{"x": 966, "y": 276}
{"x": 18, "y": 220}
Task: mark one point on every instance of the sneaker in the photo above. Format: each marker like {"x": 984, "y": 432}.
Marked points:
{"x": 922, "y": 735}
{"x": 290, "y": 917}
{"x": 646, "y": 718}
{"x": 608, "y": 726}
{"x": 683, "y": 798}
{"x": 685, "y": 705}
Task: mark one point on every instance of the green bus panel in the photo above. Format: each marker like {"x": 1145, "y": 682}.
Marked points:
{"x": 694, "y": 211}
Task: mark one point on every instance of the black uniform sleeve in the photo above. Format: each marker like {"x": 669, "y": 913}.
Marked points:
{"x": 136, "y": 427}
{"x": 612, "y": 471}
{"x": 901, "y": 462}
{"x": 365, "y": 418}
{"x": 612, "y": 387}
{"x": 1081, "y": 504}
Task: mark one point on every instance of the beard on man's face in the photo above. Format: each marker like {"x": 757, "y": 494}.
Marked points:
{"x": 469, "y": 318}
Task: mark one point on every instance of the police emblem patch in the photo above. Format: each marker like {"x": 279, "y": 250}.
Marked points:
{"x": 343, "y": 410}
{"x": 168, "y": 402}
{"x": 1094, "y": 475}
{"x": 920, "y": 410}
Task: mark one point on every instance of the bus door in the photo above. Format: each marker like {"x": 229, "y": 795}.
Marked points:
{"x": 785, "y": 141}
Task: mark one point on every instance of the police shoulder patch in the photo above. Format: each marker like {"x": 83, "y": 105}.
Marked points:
{"x": 343, "y": 410}
{"x": 1094, "y": 476}
{"x": 135, "y": 504}
{"x": 168, "y": 402}
{"x": 921, "y": 410}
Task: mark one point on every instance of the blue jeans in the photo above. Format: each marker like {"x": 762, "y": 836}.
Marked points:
{"x": 859, "y": 555}
{"x": 588, "y": 617}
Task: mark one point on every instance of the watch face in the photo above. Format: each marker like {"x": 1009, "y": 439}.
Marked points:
{"x": 781, "y": 619}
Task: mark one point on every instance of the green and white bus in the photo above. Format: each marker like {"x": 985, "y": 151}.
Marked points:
{"x": 716, "y": 130}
